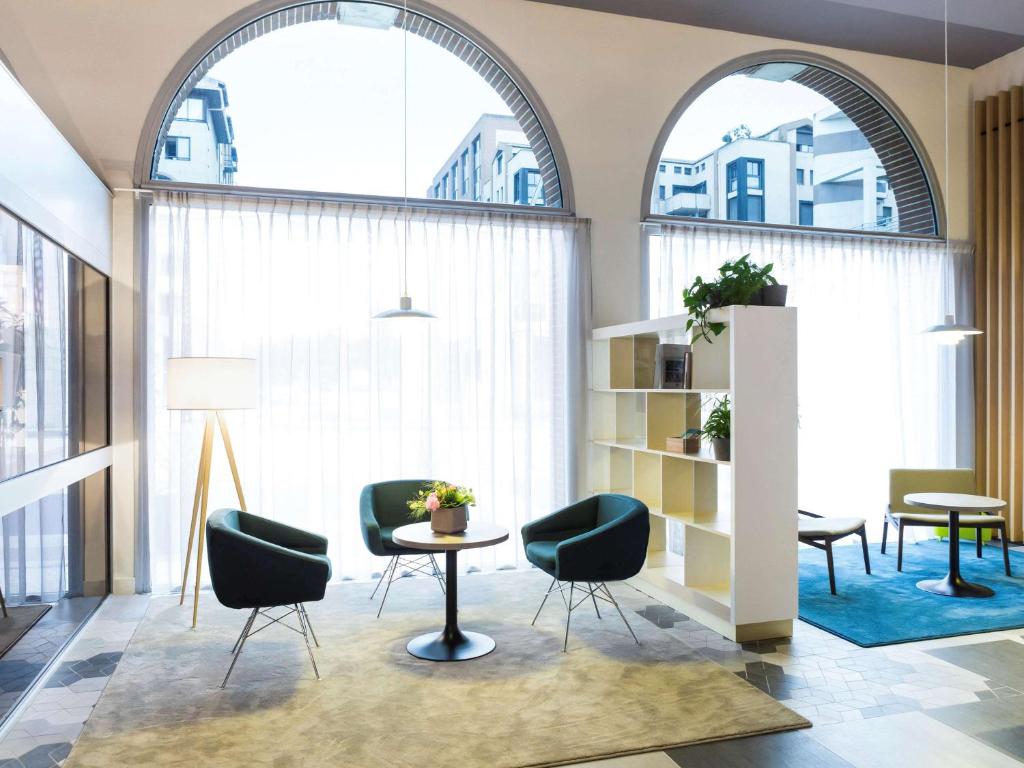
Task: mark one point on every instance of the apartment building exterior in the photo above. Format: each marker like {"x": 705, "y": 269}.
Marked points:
{"x": 492, "y": 164}
{"x": 200, "y": 144}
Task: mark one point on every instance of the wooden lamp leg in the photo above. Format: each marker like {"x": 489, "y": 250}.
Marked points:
{"x": 202, "y": 479}
{"x": 202, "y": 518}
{"x": 231, "y": 460}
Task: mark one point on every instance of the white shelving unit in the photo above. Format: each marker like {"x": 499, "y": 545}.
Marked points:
{"x": 723, "y": 546}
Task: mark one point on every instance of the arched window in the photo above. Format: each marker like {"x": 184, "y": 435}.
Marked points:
{"x": 792, "y": 143}
{"x": 314, "y": 97}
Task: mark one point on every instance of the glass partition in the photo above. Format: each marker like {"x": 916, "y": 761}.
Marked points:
{"x": 53, "y": 352}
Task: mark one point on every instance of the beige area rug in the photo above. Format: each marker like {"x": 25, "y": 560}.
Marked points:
{"x": 19, "y": 620}
{"x": 525, "y": 704}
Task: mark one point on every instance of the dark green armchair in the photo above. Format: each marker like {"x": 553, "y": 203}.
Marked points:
{"x": 258, "y": 564}
{"x": 382, "y": 508}
{"x": 594, "y": 541}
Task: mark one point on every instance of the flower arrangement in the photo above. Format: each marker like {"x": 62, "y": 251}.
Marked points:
{"x": 440, "y": 495}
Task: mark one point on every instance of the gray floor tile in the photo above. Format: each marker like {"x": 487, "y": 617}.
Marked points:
{"x": 1001, "y": 661}
{"x": 996, "y": 722}
{"x": 777, "y": 750}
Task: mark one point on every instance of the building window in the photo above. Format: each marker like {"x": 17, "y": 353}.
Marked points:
{"x": 178, "y": 148}
{"x": 661, "y": 168}
{"x": 806, "y": 213}
{"x": 677, "y": 169}
{"x": 883, "y": 214}
{"x": 526, "y": 187}
{"x": 477, "y": 160}
{"x": 193, "y": 110}
{"x": 661, "y": 192}
{"x": 444, "y": 188}
{"x": 820, "y": 113}
{"x": 805, "y": 139}
{"x": 498, "y": 161}
{"x": 755, "y": 169}
{"x": 286, "y": 118}
{"x": 689, "y": 171}
{"x": 453, "y": 189}
{"x": 745, "y": 185}
{"x": 437, "y": 191}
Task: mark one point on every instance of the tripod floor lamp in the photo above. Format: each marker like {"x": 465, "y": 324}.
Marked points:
{"x": 210, "y": 384}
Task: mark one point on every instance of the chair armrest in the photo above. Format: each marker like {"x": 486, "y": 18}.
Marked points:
{"x": 612, "y": 552}
{"x": 368, "y": 522}
{"x": 573, "y": 517}
{"x": 285, "y": 535}
{"x": 809, "y": 514}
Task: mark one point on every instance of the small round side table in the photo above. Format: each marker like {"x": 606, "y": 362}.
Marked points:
{"x": 953, "y": 584}
{"x": 451, "y": 644}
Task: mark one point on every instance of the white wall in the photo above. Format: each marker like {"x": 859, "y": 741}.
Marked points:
{"x": 44, "y": 182}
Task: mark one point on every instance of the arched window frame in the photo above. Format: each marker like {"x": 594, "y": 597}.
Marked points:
{"x": 427, "y": 21}
{"x": 926, "y": 173}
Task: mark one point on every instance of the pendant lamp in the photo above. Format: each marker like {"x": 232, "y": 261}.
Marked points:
{"x": 405, "y": 308}
{"x": 948, "y": 332}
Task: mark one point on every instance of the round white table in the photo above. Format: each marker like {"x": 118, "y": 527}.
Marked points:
{"x": 953, "y": 584}
{"x": 451, "y": 644}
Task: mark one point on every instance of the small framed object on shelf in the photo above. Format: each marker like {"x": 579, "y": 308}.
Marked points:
{"x": 688, "y": 442}
{"x": 673, "y": 366}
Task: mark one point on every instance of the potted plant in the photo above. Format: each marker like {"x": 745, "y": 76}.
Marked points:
{"x": 447, "y": 504}
{"x": 718, "y": 429}
{"x": 739, "y": 282}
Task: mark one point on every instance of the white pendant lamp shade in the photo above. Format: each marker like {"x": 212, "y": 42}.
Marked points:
{"x": 211, "y": 383}
{"x": 404, "y": 310}
{"x": 951, "y": 332}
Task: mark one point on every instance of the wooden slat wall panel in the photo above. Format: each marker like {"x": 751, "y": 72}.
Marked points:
{"x": 999, "y": 297}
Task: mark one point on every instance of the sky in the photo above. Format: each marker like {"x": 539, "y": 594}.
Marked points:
{"x": 319, "y": 106}
{"x": 733, "y": 100}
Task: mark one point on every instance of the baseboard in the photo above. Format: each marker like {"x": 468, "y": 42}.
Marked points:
{"x": 124, "y": 586}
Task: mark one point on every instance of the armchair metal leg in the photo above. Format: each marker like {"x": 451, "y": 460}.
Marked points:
{"x": 305, "y": 636}
{"x": 594, "y": 598}
{"x": 391, "y": 577}
{"x": 568, "y": 617}
{"x": 387, "y": 569}
{"x": 3, "y": 602}
{"x": 551, "y": 588}
{"x": 239, "y": 644}
{"x": 305, "y": 615}
{"x": 621, "y": 614}
{"x": 885, "y": 533}
{"x": 977, "y": 540}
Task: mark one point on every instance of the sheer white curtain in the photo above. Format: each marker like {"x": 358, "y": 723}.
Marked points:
{"x": 874, "y": 392}
{"x": 487, "y": 395}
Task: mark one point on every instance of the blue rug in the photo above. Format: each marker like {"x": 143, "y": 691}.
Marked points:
{"x": 887, "y": 607}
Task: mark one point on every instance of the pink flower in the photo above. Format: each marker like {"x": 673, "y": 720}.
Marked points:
{"x": 432, "y": 504}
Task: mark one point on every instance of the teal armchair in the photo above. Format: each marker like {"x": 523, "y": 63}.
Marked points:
{"x": 383, "y": 508}
{"x": 594, "y": 541}
{"x": 258, "y": 564}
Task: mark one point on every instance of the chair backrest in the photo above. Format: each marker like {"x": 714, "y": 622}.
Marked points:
{"x": 612, "y": 506}
{"x": 904, "y": 481}
{"x": 390, "y": 500}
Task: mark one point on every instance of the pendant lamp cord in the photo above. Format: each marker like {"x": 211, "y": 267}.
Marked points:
{"x": 945, "y": 93}
{"x": 405, "y": 147}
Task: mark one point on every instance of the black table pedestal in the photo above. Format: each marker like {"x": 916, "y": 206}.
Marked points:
{"x": 954, "y": 585}
{"x": 451, "y": 644}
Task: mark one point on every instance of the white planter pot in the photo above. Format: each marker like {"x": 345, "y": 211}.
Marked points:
{"x": 451, "y": 520}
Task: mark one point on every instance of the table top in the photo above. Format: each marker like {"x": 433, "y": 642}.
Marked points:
{"x": 419, "y": 536}
{"x": 957, "y": 502}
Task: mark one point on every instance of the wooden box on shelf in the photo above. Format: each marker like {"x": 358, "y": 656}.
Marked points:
{"x": 685, "y": 443}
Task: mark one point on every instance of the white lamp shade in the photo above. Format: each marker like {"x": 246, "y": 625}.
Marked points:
{"x": 211, "y": 383}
